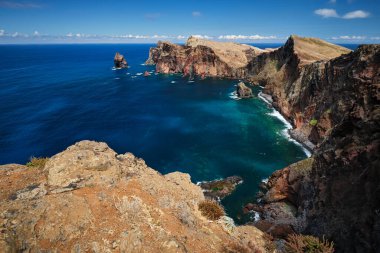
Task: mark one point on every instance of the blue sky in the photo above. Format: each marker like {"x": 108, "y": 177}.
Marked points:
{"x": 146, "y": 21}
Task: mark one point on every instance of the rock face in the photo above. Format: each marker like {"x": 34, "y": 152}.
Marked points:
{"x": 297, "y": 76}
{"x": 119, "y": 61}
{"x": 203, "y": 58}
{"x": 90, "y": 199}
{"x": 243, "y": 91}
{"x": 337, "y": 194}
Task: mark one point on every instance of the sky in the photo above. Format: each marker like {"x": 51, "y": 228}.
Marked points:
{"x": 147, "y": 21}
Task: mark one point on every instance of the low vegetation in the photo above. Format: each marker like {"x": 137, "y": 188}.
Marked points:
{"x": 313, "y": 122}
{"x": 234, "y": 247}
{"x": 37, "y": 162}
{"x": 211, "y": 209}
{"x": 308, "y": 244}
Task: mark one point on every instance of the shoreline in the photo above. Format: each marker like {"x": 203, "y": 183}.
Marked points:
{"x": 288, "y": 126}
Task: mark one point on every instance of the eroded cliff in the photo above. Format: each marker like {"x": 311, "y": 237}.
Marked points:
{"x": 335, "y": 194}
{"x": 91, "y": 199}
{"x": 203, "y": 58}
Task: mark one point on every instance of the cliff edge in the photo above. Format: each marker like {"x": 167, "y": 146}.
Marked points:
{"x": 91, "y": 199}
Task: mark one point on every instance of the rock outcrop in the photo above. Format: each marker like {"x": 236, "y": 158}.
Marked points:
{"x": 90, "y": 199}
{"x": 337, "y": 194}
{"x": 243, "y": 91}
{"x": 119, "y": 61}
{"x": 203, "y": 58}
{"x": 220, "y": 188}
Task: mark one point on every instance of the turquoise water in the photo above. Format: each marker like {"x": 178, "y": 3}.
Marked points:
{"x": 54, "y": 95}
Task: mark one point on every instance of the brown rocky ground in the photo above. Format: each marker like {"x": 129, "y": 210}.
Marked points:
{"x": 90, "y": 199}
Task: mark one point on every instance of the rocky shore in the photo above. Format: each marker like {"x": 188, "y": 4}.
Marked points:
{"x": 218, "y": 189}
{"x": 331, "y": 96}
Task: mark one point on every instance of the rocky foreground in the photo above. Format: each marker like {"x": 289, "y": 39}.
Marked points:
{"x": 331, "y": 96}
{"x": 90, "y": 199}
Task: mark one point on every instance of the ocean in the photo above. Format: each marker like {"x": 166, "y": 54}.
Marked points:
{"x": 52, "y": 96}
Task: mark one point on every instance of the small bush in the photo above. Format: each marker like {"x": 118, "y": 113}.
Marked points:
{"x": 211, "y": 209}
{"x": 37, "y": 162}
{"x": 313, "y": 122}
{"x": 307, "y": 244}
{"x": 234, "y": 247}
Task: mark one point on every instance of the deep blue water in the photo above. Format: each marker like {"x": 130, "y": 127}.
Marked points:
{"x": 52, "y": 96}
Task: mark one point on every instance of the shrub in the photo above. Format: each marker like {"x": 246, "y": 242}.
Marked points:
{"x": 313, "y": 122}
{"x": 211, "y": 209}
{"x": 37, "y": 162}
{"x": 307, "y": 244}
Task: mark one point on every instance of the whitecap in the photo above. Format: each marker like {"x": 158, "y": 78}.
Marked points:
{"x": 117, "y": 78}
{"x": 139, "y": 74}
{"x": 265, "y": 180}
{"x": 262, "y": 97}
{"x": 173, "y": 82}
{"x": 234, "y": 95}
{"x": 255, "y": 215}
{"x": 285, "y": 132}
{"x": 142, "y": 64}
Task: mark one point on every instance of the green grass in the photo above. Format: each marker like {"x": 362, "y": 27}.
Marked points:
{"x": 313, "y": 122}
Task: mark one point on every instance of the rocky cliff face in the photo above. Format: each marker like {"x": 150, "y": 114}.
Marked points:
{"x": 296, "y": 76}
{"x": 203, "y": 58}
{"x": 337, "y": 194}
{"x": 90, "y": 199}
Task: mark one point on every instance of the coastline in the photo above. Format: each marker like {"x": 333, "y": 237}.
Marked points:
{"x": 288, "y": 126}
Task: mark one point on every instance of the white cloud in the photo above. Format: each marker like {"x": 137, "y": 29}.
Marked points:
{"x": 331, "y": 13}
{"x": 15, "y": 34}
{"x": 356, "y": 14}
{"x": 180, "y": 37}
{"x": 375, "y": 38}
{"x": 327, "y": 13}
{"x": 2, "y": 32}
{"x": 245, "y": 37}
{"x": 196, "y": 13}
{"x": 36, "y": 33}
{"x": 346, "y": 37}
{"x": 202, "y": 36}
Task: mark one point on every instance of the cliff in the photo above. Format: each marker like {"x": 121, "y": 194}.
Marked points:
{"x": 336, "y": 193}
{"x": 296, "y": 77}
{"x": 90, "y": 199}
{"x": 203, "y": 58}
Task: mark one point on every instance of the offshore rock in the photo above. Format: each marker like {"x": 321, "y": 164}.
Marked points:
{"x": 88, "y": 198}
{"x": 119, "y": 61}
{"x": 218, "y": 189}
{"x": 243, "y": 91}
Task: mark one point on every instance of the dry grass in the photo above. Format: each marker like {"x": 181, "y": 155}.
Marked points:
{"x": 234, "y": 247}
{"x": 211, "y": 209}
{"x": 308, "y": 244}
{"x": 37, "y": 162}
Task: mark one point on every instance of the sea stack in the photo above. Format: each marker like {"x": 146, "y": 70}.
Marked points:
{"x": 119, "y": 61}
{"x": 243, "y": 91}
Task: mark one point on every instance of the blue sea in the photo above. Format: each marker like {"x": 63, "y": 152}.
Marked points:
{"x": 52, "y": 96}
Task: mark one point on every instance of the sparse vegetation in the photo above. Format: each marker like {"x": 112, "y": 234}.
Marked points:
{"x": 313, "y": 122}
{"x": 328, "y": 111}
{"x": 211, "y": 209}
{"x": 234, "y": 247}
{"x": 37, "y": 162}
{"x": 308, "y": 244}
